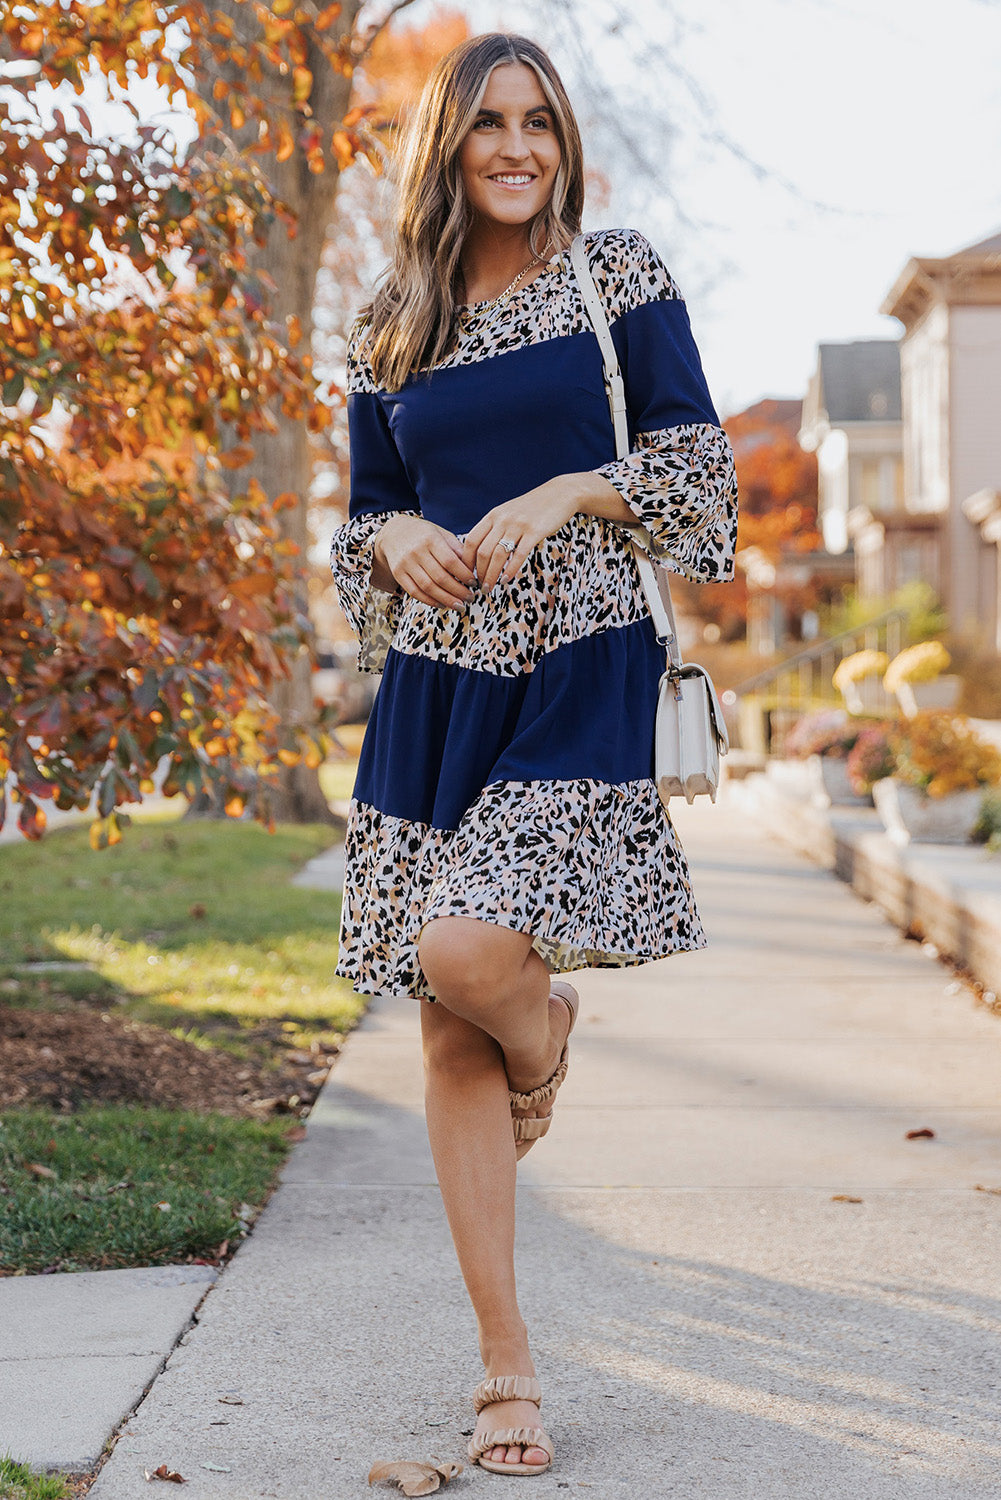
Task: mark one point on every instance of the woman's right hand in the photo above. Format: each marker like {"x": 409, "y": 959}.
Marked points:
{"x": 425, "y": 560}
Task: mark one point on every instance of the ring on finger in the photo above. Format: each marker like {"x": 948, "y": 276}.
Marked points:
{"x": 507, "y": 544}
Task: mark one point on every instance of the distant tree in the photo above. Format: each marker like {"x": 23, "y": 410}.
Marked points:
{"x": 777, "y": 483}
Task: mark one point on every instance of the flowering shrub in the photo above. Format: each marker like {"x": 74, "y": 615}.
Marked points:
{"x": 871, "y": 758}
{"x": 921, "y": 663}
{"x": 939, "y": 753}
{"x": 829, "y": 731}
{"x": 858, "y": 666}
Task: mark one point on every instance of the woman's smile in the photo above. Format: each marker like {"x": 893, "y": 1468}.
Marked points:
{"x": 514, "y": 179}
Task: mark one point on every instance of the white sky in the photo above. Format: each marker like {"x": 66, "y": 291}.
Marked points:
{"x": 879, "y": 122}
{"x": 888, "y": 111}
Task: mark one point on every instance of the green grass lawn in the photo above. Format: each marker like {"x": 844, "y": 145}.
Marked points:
{"x": 19, "y": 1482}
{"x": 130, "y": 1186}
{"x": 191, "y": 925}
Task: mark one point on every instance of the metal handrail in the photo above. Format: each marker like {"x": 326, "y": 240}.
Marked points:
{"x": 861, "y": 638}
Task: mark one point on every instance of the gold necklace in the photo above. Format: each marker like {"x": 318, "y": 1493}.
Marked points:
{"x": 496, "y": 301}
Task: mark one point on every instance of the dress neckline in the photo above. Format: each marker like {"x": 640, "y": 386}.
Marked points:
{"x": 468, "y": 310}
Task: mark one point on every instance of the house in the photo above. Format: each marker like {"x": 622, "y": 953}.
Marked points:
{"x": 852, "y": 421}
{"x": 950, "y": 363}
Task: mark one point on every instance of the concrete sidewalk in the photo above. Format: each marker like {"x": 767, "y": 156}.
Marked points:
{"x": 707, "y": 1321}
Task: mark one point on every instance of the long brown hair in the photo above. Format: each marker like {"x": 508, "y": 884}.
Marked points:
{"x": 411, "y": 318}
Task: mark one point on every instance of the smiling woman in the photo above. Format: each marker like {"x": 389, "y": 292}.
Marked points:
{"x": 505, "y": 826}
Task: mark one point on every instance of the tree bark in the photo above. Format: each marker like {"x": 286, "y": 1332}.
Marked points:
{"x": 282, "y": 459}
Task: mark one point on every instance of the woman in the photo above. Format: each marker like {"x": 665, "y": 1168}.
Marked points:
{"x": 505, "y": 825}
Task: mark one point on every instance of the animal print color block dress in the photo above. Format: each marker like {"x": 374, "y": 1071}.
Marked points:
{"x": 506, "y": 769}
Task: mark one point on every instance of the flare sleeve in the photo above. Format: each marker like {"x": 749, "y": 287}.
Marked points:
{"x": 380, "y": 488}
{"x": 679, "y": 480}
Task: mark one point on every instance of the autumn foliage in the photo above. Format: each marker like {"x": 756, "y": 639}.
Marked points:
{"x": 777, "y": 482}
{"x": 146, "y": 604}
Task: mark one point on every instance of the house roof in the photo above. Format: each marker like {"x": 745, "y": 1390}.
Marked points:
{"x": 971, "y": 276}
{"x": 860, "y": 381}
{"x": 990, "y": 246}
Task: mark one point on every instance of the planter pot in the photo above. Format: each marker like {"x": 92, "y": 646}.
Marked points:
{"x": 942, "y": 692}
{"x": 831, "y": 785}
{"x": 911, "y": 817}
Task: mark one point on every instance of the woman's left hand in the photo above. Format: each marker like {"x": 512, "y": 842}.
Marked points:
{"x": 525, "y": 521}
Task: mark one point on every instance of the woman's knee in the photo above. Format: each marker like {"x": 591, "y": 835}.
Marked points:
{"x": 464, "y": 966}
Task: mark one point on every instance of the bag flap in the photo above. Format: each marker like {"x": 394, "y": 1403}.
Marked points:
{"x": 693, "y": 669}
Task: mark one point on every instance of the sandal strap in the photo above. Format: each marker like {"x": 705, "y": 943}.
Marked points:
{"x": 531, "y": 1127}
{"x": 507, "y": 1388}
{"x": 511, "y": 1437}
{"x": 544, "y": 1091}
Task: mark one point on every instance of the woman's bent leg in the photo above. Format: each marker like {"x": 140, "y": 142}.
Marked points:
{"x": 469, "y": 1126}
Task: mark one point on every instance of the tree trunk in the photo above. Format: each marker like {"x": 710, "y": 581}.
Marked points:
{"x": 282, "y": 459}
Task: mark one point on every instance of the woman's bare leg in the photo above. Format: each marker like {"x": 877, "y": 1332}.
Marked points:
{"x": 469, "y": 1123}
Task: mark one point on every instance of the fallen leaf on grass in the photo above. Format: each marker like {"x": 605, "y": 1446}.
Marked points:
{"x": 979, "y": 1188}
{"x": 414, "y": 1478}
{"x": 920, "y": 1135}
{"x": 38, "y": 1170}
{"x": 164, "y": 1473}
{"x": 844, "y": 1198}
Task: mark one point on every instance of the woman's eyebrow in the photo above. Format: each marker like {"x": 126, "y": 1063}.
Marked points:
{"x": 496, "y": 114}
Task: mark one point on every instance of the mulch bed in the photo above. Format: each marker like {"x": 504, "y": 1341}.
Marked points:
{"x": 65, "y": 1059}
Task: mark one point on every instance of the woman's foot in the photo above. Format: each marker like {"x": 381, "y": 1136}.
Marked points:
{"x": 536, "y": 1072}
{"x": 511, "y": 1414}
{"x": 513, "y": 1360}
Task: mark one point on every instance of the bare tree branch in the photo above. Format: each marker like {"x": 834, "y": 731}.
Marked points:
{"x": 365, "y": 40}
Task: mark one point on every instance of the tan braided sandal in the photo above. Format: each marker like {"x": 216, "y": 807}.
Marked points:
{"x": 509, "y": 1388}
{"x": 531, "y": 1128}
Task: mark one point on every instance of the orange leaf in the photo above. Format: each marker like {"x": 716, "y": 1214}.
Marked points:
{"x": 234, "y": 807}
{"x": 344, "y": 149}
{"x": 286, "y": 143}
{"x": 325, "y": 17}
{"x": 164, "y": 1473}
{"x": 288, "y": 757}
{"x": 235, "y": 458}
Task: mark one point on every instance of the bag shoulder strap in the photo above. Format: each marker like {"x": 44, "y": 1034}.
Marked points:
{"x": 653, "y": 579}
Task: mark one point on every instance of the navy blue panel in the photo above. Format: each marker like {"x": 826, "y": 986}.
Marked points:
{"x": 665, "y": 386}
{"x": 379, "y": 480}
{"x": 463, "y": 440}
{"x": 439, "y": 733}
{"x": 479, "y": 434}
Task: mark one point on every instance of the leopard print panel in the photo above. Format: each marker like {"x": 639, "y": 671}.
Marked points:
{"x": 507, "y": 631}
{"x": 594, "y": 872}
{"x": 627, "y": 272}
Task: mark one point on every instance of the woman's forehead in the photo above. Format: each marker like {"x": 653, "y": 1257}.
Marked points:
{"x": 513, "y": 87}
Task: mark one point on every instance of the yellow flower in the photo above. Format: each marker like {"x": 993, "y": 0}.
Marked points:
{"x": 921, "y": 663}
{"x": 861, "y": 664}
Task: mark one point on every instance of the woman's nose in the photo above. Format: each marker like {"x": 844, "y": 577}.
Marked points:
{"x": 515, "y": 145}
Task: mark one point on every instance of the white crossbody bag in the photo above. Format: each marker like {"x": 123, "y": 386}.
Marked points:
{"x": 690, "y": 733}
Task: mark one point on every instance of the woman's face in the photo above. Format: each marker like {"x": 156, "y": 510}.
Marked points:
{"x": 510, "y": 156}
